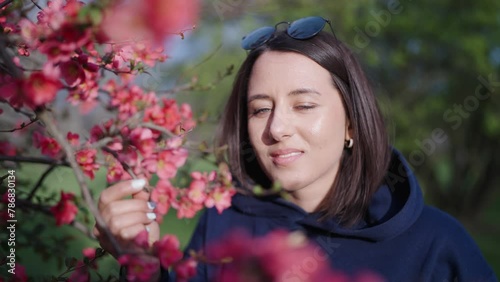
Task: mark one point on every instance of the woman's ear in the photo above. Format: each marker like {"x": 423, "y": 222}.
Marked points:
{"x": 348, "y": 130}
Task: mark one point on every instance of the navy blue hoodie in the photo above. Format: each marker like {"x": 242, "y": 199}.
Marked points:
{"x": 400, "y": 238}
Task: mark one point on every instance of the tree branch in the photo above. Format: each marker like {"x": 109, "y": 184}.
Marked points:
{"x": 47, "y": 118}
{"x": 35, "y": 160}
{"x": 40, "y": 181}
{"x": 23, "y": 125}
{"x": 102, "y": 142}
{"x": 158, "y": 128}
{"x": 125, "y": 166}
{"x": 29, "y": 115}
{"x": 45, "y": 210}
{"x": 36, "y": 4}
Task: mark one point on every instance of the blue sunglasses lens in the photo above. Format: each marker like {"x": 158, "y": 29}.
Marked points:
{"x": 306, "y": 27}
{"x": 257, "y": 37}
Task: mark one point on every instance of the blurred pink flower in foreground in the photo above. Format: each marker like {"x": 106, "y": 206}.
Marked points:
{"x": 149, "y": 19}
{"x": 278, "y": 256}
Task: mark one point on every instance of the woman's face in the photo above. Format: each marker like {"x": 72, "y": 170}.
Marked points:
{"x": 296, "y": 122}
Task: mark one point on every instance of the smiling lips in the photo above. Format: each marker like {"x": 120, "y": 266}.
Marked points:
{"x": 286, "y": 156}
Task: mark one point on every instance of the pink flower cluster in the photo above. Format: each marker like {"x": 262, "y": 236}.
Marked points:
{"x": 205, "y": 190}
{"x": 65, "y": 210}
{"x": 47, "y": 145}
{"x": 278, "y": 256}
{"x": 166, "y": 253}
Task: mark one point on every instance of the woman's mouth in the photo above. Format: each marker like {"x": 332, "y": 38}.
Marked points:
{"x": 285, "y": 157}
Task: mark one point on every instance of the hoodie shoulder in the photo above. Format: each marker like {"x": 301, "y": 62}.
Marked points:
{"x": 451, "y": 251}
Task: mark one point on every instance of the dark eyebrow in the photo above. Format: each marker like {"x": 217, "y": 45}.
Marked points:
{"x": 258, "y": 97}
{"x": 303, "y": 91}
{"x": 291, "y": 93}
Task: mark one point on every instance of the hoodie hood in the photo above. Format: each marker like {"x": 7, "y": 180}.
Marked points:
{"x": 395, "y": 207}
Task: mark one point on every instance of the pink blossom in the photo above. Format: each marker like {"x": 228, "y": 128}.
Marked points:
{"x": 163, "y": 195}
{"x": 85, "y": 90}
{"x": 142, "y": 139}
{"x": 65, "y": 210}
{"x": 185, "y": 269}
{"x": 96, "y": 133}
{"x": 47, "y": 145}
{"x": 196, "y": 192}
{"x": 220, "y": 197}
{"x": 187, "y": 208}
{"x": 72, "y": 73}
{"x": 7, "y": 149}
{"x": 169, "y": 161}
{"x": 139, "y": 268}
{"x": 40, "y": 89}
{"x": 142, "y": 239}
{"x": 167, "y": 250}
{"x": 73, "y": 138}
{"x": 153, "y": 19}
{"x": 89, "y": 252}
{"x": 86, "y": 159}
{"x": 116, "y": 172}
{"x": 81, "y": 274}
{"x": 20, "y": 274}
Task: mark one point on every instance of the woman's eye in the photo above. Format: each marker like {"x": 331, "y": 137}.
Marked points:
{"x": 260, "y": 111}
{"x": 305, "y": 107}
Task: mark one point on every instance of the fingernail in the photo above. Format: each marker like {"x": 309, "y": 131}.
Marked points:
{"x": 138, "y": 184}
{"x": 151, "y": 205}
{"x": 151, "y": 215}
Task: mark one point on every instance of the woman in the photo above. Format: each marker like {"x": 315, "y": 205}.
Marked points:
{"x": 302, "y": 114}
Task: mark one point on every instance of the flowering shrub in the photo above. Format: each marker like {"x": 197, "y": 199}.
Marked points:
{"x": 89, "y": 55}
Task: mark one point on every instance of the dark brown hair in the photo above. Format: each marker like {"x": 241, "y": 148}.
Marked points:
{"x": 362, "y": 168}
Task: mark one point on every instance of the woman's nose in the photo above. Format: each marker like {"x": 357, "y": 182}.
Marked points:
{"x": 280, "y": 125}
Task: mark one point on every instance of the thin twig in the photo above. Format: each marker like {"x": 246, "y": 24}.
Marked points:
{"x": 40, "y": 181}
{"x": 36, "y": 4}
{"x": 116, "y": 71}
{"x": 185, "y": 87}
{"x": 17, "y": 110}
{"x": 125, "y": 166}
{"x": 47, "y": 118}
{"x": 3, "y": 4}
{"x": 78, "y": 266}
{"x": 158, "y": 128}
{"x": 4, "y": 177}
{"x": 22, "y": 203}
{"x": 23, "y": 125}
{"x": 35, "y": 160}
{"x": 101, "y": 143}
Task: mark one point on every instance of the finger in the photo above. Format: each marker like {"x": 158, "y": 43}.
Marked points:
{"x": 129, "y": 233}
{"x": 126, "y": 206}
{"x": 119, "y": 222}
{"x": 154, "y": 232}
{"x": 142, "y": 195}
{"x": 120, "y": 191}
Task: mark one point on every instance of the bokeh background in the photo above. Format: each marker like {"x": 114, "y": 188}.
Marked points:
{"x": 434, "y": 65}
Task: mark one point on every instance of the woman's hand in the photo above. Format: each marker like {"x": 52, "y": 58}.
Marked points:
{"x": 126, "y": 218}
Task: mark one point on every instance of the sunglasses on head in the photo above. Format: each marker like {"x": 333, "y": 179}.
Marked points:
{"x": 301, "y": 29}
